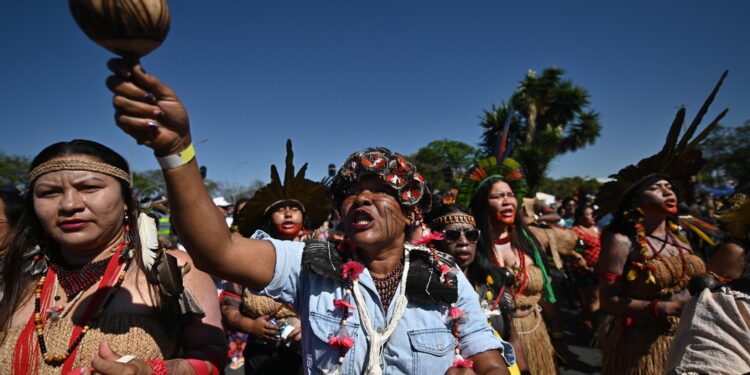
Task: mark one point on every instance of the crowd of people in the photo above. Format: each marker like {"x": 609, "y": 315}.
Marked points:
{"x": 371, "y": 273}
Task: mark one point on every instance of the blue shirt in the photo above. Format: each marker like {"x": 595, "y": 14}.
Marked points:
{"x": 422, "y": 342}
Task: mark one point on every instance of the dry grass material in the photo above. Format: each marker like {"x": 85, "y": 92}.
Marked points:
{"x": 537, "y": 346}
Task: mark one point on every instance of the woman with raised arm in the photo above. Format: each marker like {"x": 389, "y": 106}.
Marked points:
{"x": 85, "y": 287}
{"x": 646, "y": 262}
{"x": 373, "y": 303}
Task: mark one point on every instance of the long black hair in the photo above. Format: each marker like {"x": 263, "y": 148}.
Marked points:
{"x": 520, "y": 235}
{"x": 16, "y": 284}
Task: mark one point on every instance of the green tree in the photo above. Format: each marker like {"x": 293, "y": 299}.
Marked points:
{"x": 444, "y": 160}
{"x": 150, "y": 183}
{"x": 726, "y": 152}
{"x": 549, "y": 117}
{"x": 13, "y": 169}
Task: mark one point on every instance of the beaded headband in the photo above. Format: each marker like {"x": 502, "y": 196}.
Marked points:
{"x": 281, "y": 202}
{"x": 454, "y": 218}
{"x": 77, "y": 165}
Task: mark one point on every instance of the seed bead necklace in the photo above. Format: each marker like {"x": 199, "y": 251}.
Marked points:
{"x": 387, "y": 285}
{"x": 93, "y": 309}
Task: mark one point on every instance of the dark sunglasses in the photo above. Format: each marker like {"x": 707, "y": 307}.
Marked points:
{"x": 452, "y": 235}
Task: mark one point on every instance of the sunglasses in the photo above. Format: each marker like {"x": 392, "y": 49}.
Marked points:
{"x": 452, "y": 235}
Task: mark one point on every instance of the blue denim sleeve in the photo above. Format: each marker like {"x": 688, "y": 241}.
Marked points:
{"x": 476, "y": 335}
{"x": 284, "y": 285}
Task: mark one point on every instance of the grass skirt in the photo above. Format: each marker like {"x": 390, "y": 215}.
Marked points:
{"x": 536, "y": 343}
{"x": 639, "y": 349}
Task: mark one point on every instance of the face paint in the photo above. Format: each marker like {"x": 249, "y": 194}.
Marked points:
{"x": 669, "y": 208}
{"x": 505, "y": 218}
{"x": 659, "y": 198}
{"x": 288, "y": 229}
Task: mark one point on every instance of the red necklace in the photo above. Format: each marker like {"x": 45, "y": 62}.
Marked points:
{"x": 74, "y": 280}
{"x": 502, "y": 241}
{"x": 24, "y": 357}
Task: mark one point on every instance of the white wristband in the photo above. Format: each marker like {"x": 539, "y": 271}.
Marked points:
{"x": 177, "y": 160}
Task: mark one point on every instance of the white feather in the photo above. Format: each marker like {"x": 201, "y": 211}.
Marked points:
{"x": 149, "y": 240}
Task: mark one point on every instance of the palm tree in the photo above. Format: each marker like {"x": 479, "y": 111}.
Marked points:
{"x": 549, "y": 117}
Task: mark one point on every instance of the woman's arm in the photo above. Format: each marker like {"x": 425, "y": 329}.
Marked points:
{"x": 202, "y": 339}
{"x": 613, "y": 259}
{"x": 258, "y": 327}
{"x": 728, "y": 261}
{"x": 152, "y": 114}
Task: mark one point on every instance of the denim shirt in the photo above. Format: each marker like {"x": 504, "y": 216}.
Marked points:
{"x": 422, "y": 342}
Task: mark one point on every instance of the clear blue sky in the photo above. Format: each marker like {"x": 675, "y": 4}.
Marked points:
{"x": 338, "y": 76}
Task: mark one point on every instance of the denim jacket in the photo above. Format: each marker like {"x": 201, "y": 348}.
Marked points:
{"x": 422, "y": 342}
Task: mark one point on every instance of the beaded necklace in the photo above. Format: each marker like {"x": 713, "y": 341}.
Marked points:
{"x": 352, "y": 299}
{"x": 104, "y": 293}
{"x": 25, "y": 357}
{"x": 387, "y": 285}
{"x": 76, "y": 279}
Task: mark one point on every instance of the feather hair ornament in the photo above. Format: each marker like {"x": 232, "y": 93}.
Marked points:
{"x": 310, "y": 194}
{"x": 499, "y": 165}
{"x": 679, "y": 159}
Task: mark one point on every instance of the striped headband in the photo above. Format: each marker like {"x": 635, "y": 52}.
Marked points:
{"x": 77, "y": 165}
{"x": 454, "y": 218}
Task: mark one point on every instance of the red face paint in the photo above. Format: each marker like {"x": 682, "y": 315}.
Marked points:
{"x": 288, "y": 229}
{"x": 505, "y": 218}
{"x": 669, "y": 207}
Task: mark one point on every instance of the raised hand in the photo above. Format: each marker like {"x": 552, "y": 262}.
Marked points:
{"x": 147, "y": 109}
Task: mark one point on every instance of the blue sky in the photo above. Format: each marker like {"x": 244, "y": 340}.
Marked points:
{"x": 338, "y": 76}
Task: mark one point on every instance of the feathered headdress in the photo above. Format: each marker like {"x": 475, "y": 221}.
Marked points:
{"x": 678, "y": 160}
{"x": 494, "y": 166}
{"x": 395, "y": 171}
{"x": 311, "y": 195}
{"x": 737, "y": 216}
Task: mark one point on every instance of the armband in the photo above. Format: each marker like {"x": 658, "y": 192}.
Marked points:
{"x": 177, "y": 160}
{"x": 203, "y": 367}
{"x": 609, "y": 276}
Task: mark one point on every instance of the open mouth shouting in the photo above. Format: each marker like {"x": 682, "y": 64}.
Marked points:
{"x": 360, "y": 219}
{"x": 506, "y": 215}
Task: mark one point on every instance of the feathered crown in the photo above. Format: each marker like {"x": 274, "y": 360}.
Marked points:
{"x": 310, "y": 194}
{"x": 494, "y": 166}
{"x": 737, "y": 216}
{"x": 679, "y": 159}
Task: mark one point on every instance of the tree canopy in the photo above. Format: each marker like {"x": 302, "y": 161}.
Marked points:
{"x": 726, "y": 152}
{"x": 13, "y": 169}
{"x": 549, "y": 116}
{"x": 442, "y": 161}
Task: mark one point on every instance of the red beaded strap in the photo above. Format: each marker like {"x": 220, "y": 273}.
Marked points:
{"x": 158, "y": 367}
{"x": 203, "y": 367}
{"x": 609, "y": 276}
{"x": 225, "y": 294}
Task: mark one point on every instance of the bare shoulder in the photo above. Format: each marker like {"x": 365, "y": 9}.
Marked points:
{"x": 732, "y": 249}
{"x": 616, "y": 242}
{"x": 616, "y": 248}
